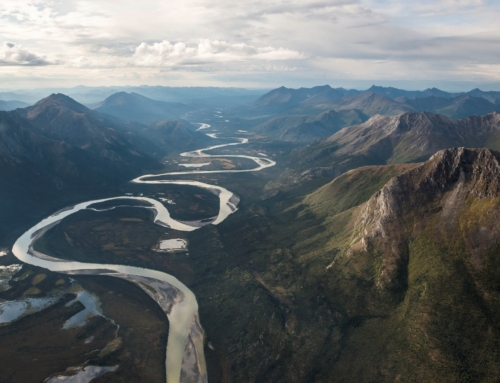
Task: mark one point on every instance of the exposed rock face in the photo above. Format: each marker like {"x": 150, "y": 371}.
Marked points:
{"x": 446, "y": 185}
{"x": 410, "y": 137}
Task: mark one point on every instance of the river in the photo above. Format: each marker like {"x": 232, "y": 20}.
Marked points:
{"x": 185, "y": 360}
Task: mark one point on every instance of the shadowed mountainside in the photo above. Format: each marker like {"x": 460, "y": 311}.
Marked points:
{"x": 57, "y": 152}
{"x": 375, "y": 100}
{"x": 133, "y": 106}
{"x": 304, "y": 128}
{"x": 59, "y": 117}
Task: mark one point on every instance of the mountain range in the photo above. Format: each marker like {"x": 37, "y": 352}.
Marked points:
{"x": 375, "y": 100}
{"x": 198, "y": 97}
{"x": 409, "y": 137}
{"x": 305, "y": 114}
{"x": 59, "y": 150}
{"x": 386, "y": 273}
{"x": 304, "y": 128}
{"x": 11, "y": 105}
{"x": 374, "y": 257}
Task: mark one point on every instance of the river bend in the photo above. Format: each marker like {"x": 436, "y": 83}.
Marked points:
{"x": 185, "y": 360}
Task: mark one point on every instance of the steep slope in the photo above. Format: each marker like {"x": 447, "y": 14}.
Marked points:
{"x": 59, "y": 117}
{"x": 370, "y": 104}
{"x": 386, "y": 274}
{"x": 133, "y": 106}
{"x": 38, "y": 173}
{"x": 410, "y": 94}
{"x": 303, "y": 128}
{"x": 491, "y": 96}
{"x": 386, "y": 101}
{"x": 424, "y": 246}
{"x": 406, "y": 138}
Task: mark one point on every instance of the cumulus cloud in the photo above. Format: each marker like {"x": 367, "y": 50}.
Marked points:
{"x": 206, "y": 55}
{"x": 207, "y": 51}
{"x": 15, "y": 55}
{"x": 208, "y": 39}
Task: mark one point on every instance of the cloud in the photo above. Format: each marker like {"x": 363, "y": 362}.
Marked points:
{"x": 15, "y": 55}
{"x": 285, "y": 40}
{"x": 207, "y": 51}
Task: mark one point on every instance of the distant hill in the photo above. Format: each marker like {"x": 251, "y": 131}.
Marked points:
{"x": 410, "y": 137}
{"x": 411, "y": 94}
{"x": 303, "y": 128}
{"x": 282, "y": 100}
{"x": 197, "y": 97}
{"x": 133, "y": 106}
{"x": 493, "y": 97}
{"x": 375, "y": 100}
{"x": 11, "y": 105}
{"x": 455, "y": 107}
{"x": 368, "y": 103}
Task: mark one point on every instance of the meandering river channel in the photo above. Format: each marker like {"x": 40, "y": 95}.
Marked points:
{"x": 185, "y": 360}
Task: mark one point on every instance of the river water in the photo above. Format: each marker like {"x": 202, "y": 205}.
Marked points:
{"x": 184, "y": 352}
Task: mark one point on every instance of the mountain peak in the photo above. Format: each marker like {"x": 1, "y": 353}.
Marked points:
{"x": 58, "y": 100}
{"x": 136, "y": 107}
{"x": 445, "y": 181}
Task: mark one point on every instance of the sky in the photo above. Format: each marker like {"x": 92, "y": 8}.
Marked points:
{"x": 451, "y": 44}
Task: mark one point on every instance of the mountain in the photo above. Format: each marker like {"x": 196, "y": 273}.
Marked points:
{"x": 39, "y": 175}
{"x": 311, "y": 100}
{"x": 11, "y": 105}
{"x": 57, "y": 152}
{"x": 375, "y": 100}
{"x": 199, "y": 97}
{"x": 133, "y": 106}
{"x": 303, "y": 128}
{"x": 25, "y": 147}
{"x": 289, "y": 97}
{"x": 410, "y": 137}
{"x": 493, "y": 97}
{"x": 385, "y": 274}
{"x": 410, "y": 94}
{"x": 59, "y": 117}
{"x": 455, "y": 107}
{"x": 283, "y": 100}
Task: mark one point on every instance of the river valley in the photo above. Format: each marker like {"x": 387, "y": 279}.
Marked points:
{"x": 185, "y": 361}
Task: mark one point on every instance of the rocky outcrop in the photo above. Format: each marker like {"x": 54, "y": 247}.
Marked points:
{"x": 445, "y": 186}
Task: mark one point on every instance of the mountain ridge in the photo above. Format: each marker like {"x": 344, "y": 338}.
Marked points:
{"x": 133, "y": 106}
